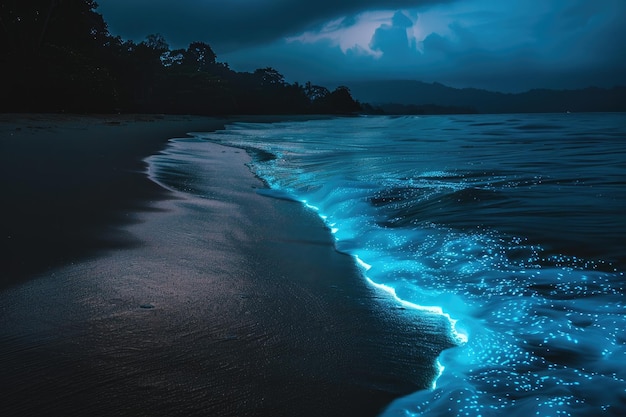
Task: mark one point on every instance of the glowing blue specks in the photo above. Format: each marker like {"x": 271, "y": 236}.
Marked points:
{"x": 538, "y": 333}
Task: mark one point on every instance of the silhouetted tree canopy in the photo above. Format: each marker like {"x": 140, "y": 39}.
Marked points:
{"x": 200, "y": 56}
{"x": 58, "y": 56}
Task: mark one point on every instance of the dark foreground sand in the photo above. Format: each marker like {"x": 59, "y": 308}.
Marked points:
{"x": 122, "y": 298}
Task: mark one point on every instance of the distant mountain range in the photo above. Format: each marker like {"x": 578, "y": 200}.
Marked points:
{"x": 407, "y": 96}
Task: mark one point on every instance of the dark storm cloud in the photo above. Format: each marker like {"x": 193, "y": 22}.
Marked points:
{"x": 507, "y": 45}
{"x": 531, "y": 44}
{"x": 392, "y": 40}
{"x": 229, "y": 24}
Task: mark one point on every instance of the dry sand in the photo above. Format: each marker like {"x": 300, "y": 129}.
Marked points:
{"x": 232, "y": 305}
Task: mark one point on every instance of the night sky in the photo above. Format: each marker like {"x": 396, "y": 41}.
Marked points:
{"x": 511, "y": 45}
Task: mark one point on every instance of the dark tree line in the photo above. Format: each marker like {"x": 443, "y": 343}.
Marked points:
{"x": 60, "y": 57}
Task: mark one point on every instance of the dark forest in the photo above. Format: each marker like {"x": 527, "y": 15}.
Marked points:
{"x": 60, "y": 57}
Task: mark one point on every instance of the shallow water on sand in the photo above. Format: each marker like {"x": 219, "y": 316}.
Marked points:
{"x": 509, "y": 226}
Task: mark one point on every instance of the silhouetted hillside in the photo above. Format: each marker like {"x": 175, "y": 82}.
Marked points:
{"x": 416, "y": 94}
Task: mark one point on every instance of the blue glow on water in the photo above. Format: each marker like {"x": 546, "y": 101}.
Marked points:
{"x": 508, "y": 227}
{"x": 458, "y": 335}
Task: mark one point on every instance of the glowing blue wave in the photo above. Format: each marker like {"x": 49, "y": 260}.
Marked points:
{"x": 460, "y": 217}
{"x": 458, "y": 336}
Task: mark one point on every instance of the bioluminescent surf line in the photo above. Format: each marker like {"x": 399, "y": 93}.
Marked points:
{"x": 510, "y": 227}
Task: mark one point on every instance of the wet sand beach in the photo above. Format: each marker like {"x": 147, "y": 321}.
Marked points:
{"x": 69, "y": 181}
{"x": 123, "y": 298}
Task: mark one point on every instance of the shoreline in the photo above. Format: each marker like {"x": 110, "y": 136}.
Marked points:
{"x": 73, "y": 182}
{"x": 235, "y": 304}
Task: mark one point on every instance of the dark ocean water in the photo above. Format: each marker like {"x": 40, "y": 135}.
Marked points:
{"x": 511, "y": 226}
